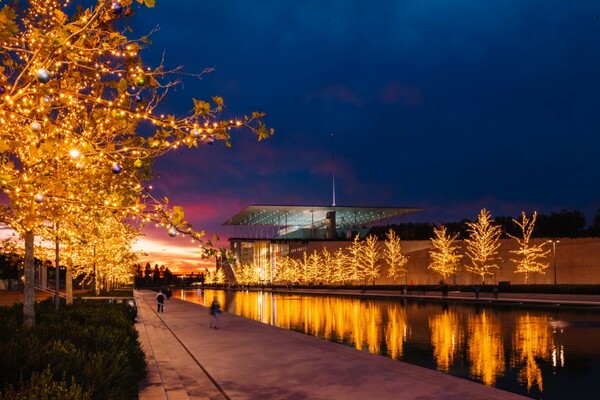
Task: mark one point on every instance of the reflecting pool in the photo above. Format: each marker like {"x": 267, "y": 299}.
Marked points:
{"x": 548, "y": 353}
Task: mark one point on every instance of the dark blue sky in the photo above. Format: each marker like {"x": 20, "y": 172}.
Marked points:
{"x": 447, "y": 105}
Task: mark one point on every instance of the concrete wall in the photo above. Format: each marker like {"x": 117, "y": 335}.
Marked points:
{"x": 577, "y": 262}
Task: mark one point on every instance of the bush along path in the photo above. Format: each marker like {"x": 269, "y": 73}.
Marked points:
{"x": 88, "y": 350}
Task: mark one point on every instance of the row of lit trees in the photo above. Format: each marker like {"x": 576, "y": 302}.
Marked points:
{"x": 482, "y": 247}
{"x": 79, "y": 131}
{"x": 362, "y": 260}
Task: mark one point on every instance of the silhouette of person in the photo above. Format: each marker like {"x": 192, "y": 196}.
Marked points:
{"x": 215, "y": 310}
{"x": 160, "y": 302}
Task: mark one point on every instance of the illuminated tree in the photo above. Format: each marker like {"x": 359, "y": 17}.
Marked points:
{"x": 284, "y": 267}
{"x": 340, "y": 273}
{"x": 392, "y": 253}
{"x": 482, "y": 245}
{"x": 355, "y": 266}
{"x": 79, "y": 122}
{"x": 370, "y": 257}
{"x": 327, "y": 266}
{"x": 217, "y": 277}
{"x": 444, "y": 256}
{"x": 528, "y": 252}
{"x": 312, "y": 267}
{"x": 247, "y": 273}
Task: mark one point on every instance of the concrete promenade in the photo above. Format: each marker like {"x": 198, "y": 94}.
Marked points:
{"x": 245, "y": 359}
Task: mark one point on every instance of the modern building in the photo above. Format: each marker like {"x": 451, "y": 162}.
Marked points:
{"x": 263, "y": 233}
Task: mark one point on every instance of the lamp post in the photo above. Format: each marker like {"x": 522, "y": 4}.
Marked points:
{"x": 554, "y": 241}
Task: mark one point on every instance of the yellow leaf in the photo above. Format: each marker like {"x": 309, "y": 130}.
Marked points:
{"x": 60, "y": 16}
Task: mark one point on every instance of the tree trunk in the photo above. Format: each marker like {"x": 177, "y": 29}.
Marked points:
{"x": 29, "y": 289}
{"x": 57, "y": 274}
{"x": 69, "y": 281}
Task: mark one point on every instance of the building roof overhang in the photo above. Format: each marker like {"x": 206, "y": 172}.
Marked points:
{"x": 302, "y": 215}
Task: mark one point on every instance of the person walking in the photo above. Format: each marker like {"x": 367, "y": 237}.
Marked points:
{"x": 215, "y": 310}
{"x": 160, "y": 302}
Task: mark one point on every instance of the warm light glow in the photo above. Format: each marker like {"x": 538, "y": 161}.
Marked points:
{"x": 532, "y": 341}
{"x": 446, "y": 338}
{"x": 486, "y": 350}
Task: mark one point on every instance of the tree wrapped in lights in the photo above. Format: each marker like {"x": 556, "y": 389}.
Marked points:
{"x": 78, "y": 119}
{"x": 370, "y": 257}
{"x": 482, "y": 245}
{"x": 313, "y": 267}
{"x": 392, "y": 254}
{"x": 355, "y": 265}
{"x": 340, "y": 273}
{"x": 444, "y": 254}
{"x": 529, "y": 253}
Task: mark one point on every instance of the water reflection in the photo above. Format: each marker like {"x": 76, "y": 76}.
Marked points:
{"x": 532, "y": 341}
{"x": 446, "y": 338}
{"x": 524, "y": 351}
{"x": 486, "y": 350}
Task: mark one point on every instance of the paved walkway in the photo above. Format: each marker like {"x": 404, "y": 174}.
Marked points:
{"x": 245, "y": 359}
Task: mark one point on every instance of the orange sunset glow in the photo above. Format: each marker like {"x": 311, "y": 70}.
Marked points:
{"x": 179, "y": 253}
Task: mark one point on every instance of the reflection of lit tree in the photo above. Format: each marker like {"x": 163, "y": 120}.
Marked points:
{"x": 370, "y": 258}
{"x": 482, "y": 245}
{"x": 394, "y": 331}
{"x": 529, "y": 253}
{"x": 392, "y": 253}
{"x": 486, "y": 350}
{"x": 532, "y": 339}
{"x": 446, "y": 338}
{"x": 444, "y": 257}
{"x": 372, "y": 326}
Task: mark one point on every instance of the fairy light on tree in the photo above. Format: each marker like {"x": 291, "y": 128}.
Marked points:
{"x": 444, "y": 254}
{"x": 529, "y": 254}
{"x": 355, "y": 266}
{"x": 393, "y": 255}
{"x": 79, "y": 121}
{"x": 482, "y": 245}
{"x": 371, "y": 256}
{"x": 340, "y": 272}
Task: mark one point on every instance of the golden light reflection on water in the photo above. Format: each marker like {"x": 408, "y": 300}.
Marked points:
{"x": 532, "y": 341}
{"x": 446, "y": 338}
{"x": 352, "y": 321}
{"x": 486, "y": 350}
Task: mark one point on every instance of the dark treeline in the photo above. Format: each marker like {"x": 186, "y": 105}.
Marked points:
{"x": 566, "y": 224}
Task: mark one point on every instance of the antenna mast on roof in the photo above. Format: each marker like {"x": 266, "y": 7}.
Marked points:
{"x": 333, "y": 170}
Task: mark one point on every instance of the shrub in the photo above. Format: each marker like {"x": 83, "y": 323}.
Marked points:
{"x": 42, "y": 386}
{"x": 91, "y": 344}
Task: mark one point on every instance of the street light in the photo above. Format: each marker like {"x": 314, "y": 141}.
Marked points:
{"x": 554, "y": 241}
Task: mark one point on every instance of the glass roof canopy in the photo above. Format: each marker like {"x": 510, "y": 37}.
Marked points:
{"x": 300, "y": 216}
